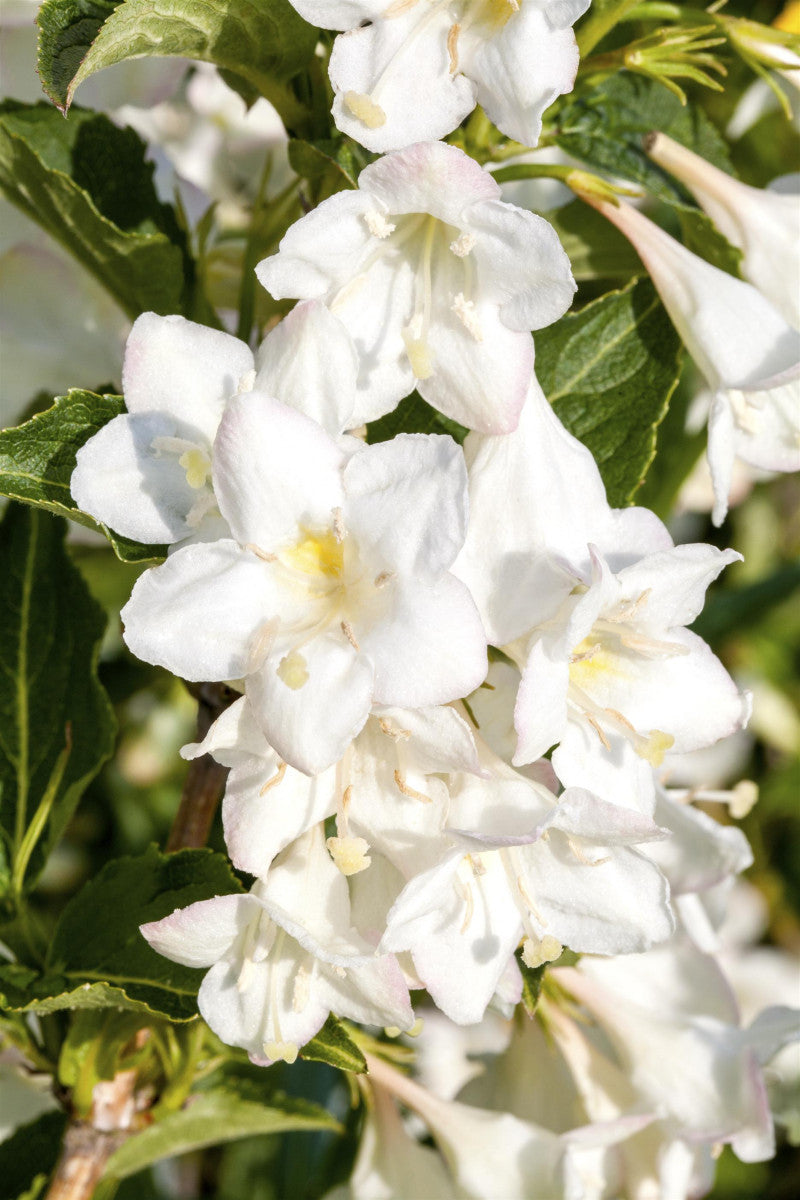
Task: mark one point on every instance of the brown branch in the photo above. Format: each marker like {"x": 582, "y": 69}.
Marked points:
{"x": 84, "y": 1154}
{"x": 205, "y": 779}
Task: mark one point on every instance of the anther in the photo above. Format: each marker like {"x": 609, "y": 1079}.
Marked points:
{"x": 523, "y": 891}
{"x": 349, "y": 854}
{"x": 397, "y": 735}
{"x": 464, "y": 243}
{"x": 581, "y": 857}
{"x": 259, "y": 553}
{"x": 338, "y": 524}
{"x": 365, "y": 110}
{"x": 377, "y": 224}
{"x": 465, "y": 311}
{"x": 274, "y": 780}
{"x": 452, "y": 50}
{"x": 597, "y": 727}
{"x": 382, "y": 579}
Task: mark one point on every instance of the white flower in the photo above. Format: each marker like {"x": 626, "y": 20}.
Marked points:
{"x": 334, "y": 592}
{"x": 147, "y": 473}
{"x": 438, "y": 281}
{"x": 511, "y": 56}
{"x": 282, "y": 957}
{"x": 762, "y": 223}
{"x": 747, "y": 351}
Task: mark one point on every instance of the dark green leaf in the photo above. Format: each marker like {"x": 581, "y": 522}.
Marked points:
{"x": 700, "y": 235}
{"x": 210, "y": 1118}
{"x": 609, "y": 371}
{"x": 98, "y": 958}
{"x": 56, "y": 725}
{"x": 605, "y": 127}
{"x": 334, "y": 1046}
{"x": 595, "y": 248}
{"x": 37, "y": 460}
{"x": 413, "y": 415}
{"x": 263, "y": 42}
{"x": 736, "y": 609}
{"x": 28, "y": 1157}
{"x": 86, "y": 182}
{"x": 329, "y": 166}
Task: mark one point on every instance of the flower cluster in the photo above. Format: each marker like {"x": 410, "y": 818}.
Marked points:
{"x": 461, "y": 675}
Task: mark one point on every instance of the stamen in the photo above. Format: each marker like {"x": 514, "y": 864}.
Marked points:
{"x": 465, "y": 892}
{"x": 349, "y": 854}
{"x": 377, "y": 224}
{"x": 452, "y": 50}
{"x": 262, "y": 644}
{"x": 197, "y": 466}
{"x": 301, "y": 989}
{"x": 465, "y": 242}
{"x": 465, "y": 311}
{"x": 581, "y": 857}
{"x": 397, "y": 735}
{"x": 418, "y": 350}
{"x": 398, "y": 7}
{"x": 523, "y": 891}
{"x": 281, "y": 1051}
{"x": 259, "y": 553}
{"x": 477, "y": 864}
{"x": 382, "y": 579}
{"x": 403, "y": 787}
{"x": 274, "y": 780}
{"x": 338, "y": 524}
{"x": 347, "y": 630}
{"x": 595, "y": 724}
{"x": 365, "y": 110}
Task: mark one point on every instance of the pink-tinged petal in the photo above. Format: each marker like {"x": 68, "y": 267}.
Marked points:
{"x": 429, "y": 177}
{"x": 310, "y": 726}
{"x": 404, "y": 66}
{"x": 201, "y": 933}
{"x": 430, "y": 648}
{"x": 199, "y": 613}
{"x": 407, "y": 503}
{"x": 275, "y": 472}
{"x": 676, "y": 581}
{"x": 481, "y": 368}
{"x": 540, "y": 714}
{"x": 186, "y": 370}
{"x": 320, "y": 251}
{"x": 582, "y": 814}
{"x": 520, "y": 71}
{"x": 309, "y": 362}
{"x": 522, "y": 263}
{"x": 121, "y": 481}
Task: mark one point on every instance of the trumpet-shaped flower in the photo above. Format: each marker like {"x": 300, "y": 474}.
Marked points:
{"x": 748, "y": 352}
{"x": 147, "y": 473}
{"x": 334, "y": 592}
{"x": 511, "y": 56}
{"x": 763, "y": 224}
{"x": 438, "y": 281}
{"x": 282, "y": 957}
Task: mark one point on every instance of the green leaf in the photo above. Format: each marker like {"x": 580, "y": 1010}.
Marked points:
{"x": 210, "y": 1118}
{"x": 87, "y": 184}
{"x": 735, "y": 609}
{"x": 413, "y": 415}
{"x": 609, "y": 371}
{"x": 263, "y": 42}
{"x": 596, "y": 250}
{"x": 329, "y": 166}
{"x": 29, "y": 1156}
{"x": 701, "y": 236}
{"x": 56, "y": 724}
{"x": 37, "y": 460}
{"x": 334, "y": 1046}
{"x": 605, "y": 127}
{"x": 532, "y": 980}
{"x": 98, "y": 958}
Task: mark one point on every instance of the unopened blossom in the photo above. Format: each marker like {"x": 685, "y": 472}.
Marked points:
{"x": 748, "y": 352}
{"x": 763, "y": 224}
{"x": 437, "y": 279}
{"x": 283, "y": 956}
{"x": 147, "y": 473}
{"x": 513, "y": 57}
{"x": 334, "y": 592}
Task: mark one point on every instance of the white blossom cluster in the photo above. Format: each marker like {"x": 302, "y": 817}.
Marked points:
{"x": 462, "y": 674}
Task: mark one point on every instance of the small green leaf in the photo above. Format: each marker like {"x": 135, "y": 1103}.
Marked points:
{"x": 263, "y": 42}
{"x": 605, "y": 127}
{"x": 329, "y": 166}
{"x": 413, "y": 415}
{"x": 37, "y": 460}
{"x": 596, "y": 250}
{"x": 532, "y": 980}
{"x": 56, "y": 724}
{"x": 98, "y": 958}
{"x": 334, "y": 1046}
{"x": 210, "y": 1118}
{"x": 609, "y": 371}
{"x": 701, "y": 236}
{"x": 29, "y": 1156}
{"x": 87, "y": 184}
